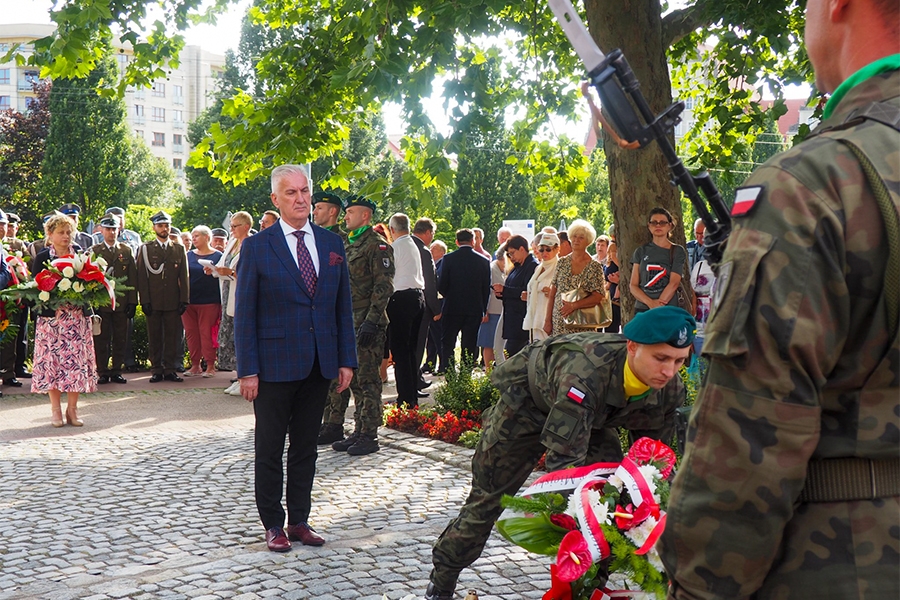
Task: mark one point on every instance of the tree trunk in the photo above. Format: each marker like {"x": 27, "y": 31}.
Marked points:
{"x": 639, "y": 180}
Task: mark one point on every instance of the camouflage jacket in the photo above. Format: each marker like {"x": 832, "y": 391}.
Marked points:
{"x": 370, "y": 260}
{"x": 575, "y": 384}
{"x": 802, "y": 367}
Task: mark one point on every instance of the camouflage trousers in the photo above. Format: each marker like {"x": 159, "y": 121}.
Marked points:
{"x": 366, "y": 387}
{"x": 509, "y": 449}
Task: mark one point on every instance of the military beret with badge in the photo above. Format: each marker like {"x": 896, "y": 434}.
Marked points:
{"x": 356, "y": 200}
{"x": 664, "y": 325}
{"x": 328, "y": 198}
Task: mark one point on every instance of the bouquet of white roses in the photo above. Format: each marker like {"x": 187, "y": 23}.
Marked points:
{"x": 76, "y": 280}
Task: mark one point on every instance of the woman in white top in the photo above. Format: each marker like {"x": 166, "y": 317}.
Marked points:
{"x": 488, "y": 329}
{"x": 537, "y": 295}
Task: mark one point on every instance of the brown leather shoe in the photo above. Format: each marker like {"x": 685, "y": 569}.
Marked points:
{"x": 305, "y": 534}
{"x": 276, "y": 540}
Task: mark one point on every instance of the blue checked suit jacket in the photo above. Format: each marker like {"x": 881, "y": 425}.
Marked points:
{"x": 278, "y": 328}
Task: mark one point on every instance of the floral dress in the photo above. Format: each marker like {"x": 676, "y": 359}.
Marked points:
{"x": 590, "y": 279}
{"x": 64, "y": 357}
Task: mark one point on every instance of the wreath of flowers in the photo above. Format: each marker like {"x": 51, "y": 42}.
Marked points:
{"x": 15, "y": 262}
{"x": 77, "y": 280}
{"x": 614, "y": 513}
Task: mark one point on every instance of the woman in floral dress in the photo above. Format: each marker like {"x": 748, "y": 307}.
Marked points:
{"x": 64, "y": 358}
{"x": 578, "y": 269}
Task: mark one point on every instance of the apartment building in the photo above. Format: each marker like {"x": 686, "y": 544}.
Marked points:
{"x": 158, "y": 115}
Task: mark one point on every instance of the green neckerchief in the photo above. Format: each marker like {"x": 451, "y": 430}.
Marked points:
{"x": 888, "y": 63}
{"x": 357, "y": 233}
{"x": 334, "y": 228}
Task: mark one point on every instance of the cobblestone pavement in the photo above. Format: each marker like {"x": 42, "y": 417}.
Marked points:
{"x": 153, "y": 498}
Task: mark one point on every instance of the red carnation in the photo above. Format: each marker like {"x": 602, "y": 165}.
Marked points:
{"x": 564, "y": 521}
{"x": 46, "y": 280}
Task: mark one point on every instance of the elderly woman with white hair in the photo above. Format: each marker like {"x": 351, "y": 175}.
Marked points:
{"x": 539, "y": 286}
{"x": 576, "y": 270}
{"x": 205, "y": 306}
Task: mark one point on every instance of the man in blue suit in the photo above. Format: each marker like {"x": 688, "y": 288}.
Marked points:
{"x": 293, "y": 332}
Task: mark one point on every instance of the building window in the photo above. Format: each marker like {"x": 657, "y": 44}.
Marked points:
{"x": 31, "y": 103}
{"x": 4, "y": 102}
{"x": 159, "y": 139}
{"x": 176, "y": 139}
{"x": 176, "y": 164}
{"x": 32, "y": 76}
{"x": 139, "y": 133}
{"x": 139, "y": 110}
{"x": 177, "y": 90}
{"x": 159, "y": 89}
{"x": 177, "y": 116}
{"x": 4, "y": 76}
{"x": 159, "y": 114}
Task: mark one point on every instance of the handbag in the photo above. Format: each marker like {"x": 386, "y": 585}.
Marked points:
{"x": 592, "y": 318}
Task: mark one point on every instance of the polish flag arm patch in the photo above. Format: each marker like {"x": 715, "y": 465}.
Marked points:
{"x": 575, "y": 395}
{"x": 745, "y": 198}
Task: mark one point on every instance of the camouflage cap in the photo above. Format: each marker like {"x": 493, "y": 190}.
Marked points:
{"x": 329, "y": 198}
{"x": 664, "y": 325}
{"x": 354, "y": 200}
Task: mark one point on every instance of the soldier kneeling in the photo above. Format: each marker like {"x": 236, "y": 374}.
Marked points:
{"x": 566, "y": 396}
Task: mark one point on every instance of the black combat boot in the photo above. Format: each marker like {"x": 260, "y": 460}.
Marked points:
{"x": 344, "y": 445}
{"x": 432, "y": 593}
{"x": 367, "y": 443}
{"x": 330, "y": 433}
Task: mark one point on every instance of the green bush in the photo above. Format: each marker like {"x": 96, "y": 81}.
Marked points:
{"x": 463, "y": 390}
{"x": 470, "y": 439}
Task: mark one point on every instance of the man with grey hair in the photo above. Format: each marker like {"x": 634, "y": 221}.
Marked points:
{"x": 405, "y": 310}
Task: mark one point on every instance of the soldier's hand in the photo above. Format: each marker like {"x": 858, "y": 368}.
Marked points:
{"x": 365, "y": 336}
{"x": 182, "y": 307}
{"x": 148, "y": 310}
{"x": 130, "y": 310}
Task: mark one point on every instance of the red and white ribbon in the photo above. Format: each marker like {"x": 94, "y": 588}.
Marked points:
{"x": 569, "y": 479}
{"x": 637, "y": 486}
{"x": 587, "y": 520}
{"x": 654, "y": 535}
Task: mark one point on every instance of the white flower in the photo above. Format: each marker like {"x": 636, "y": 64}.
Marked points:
{"x": 64, "y": 284}
{"x": 30, "y": 284}
{"x": 616, "y": 481}
{"x": 112, "y": 284}
{"x": 68, "y": 272}
{"x": 101, "y": 262}
{"x": 44, "y": 296}
{"x": 651, "y": 474}
{"x": 78, "y": 262}
{"x": 653, "y": 559}
{"x": 19, "y": 254}
{"x": 638, "y": 535}
{"x": 78, "y": 287}
{"x": 601, "y": 511}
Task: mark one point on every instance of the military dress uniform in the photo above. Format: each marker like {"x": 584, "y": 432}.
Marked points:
{"x": 370, "y": 260}
{"x": 565, "y": 396}
{"x": 789, "y": 485}
{"x": 162, "y": 275}
{"x": 114, "y": 328}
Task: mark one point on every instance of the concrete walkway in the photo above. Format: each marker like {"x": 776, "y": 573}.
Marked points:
{"x": 153, "y": 498}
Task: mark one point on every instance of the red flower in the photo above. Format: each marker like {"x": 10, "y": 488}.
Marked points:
{"x": 647, "y": 450}
{"x": 574, "y": 558}
{"x": 564, "y": 521}
{"x": 46, "y": 280}
{"x": 90, "y": 273}
{"x": 638, "y": 516}
{"x": 559, "y": 590}
{"x": 625, "y": 517}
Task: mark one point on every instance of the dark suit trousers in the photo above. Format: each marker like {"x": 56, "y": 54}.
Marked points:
{"x": 468, "y": 325}
{"x": 435, "y": 346}
{"x": 405, "y": 313}
{"x": 427, "y": 319}
{"x": 164, "y": 331}
{"x": 114, "y": 328}
{"x": 292, "y": 408}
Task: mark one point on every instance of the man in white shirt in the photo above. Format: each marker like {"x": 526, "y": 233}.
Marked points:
{"x": 405, "y": 310}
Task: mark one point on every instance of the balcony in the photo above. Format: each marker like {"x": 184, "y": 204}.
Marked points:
{"x": 178, "y": 100}
{"x": 177, "y": 124}
{"x": 139, "y": 120}
{"x": 178, "y": 148}
{"x": 26, "y": 85}
{"x": 140, "y": 93}
{"x": 179, "y": 173}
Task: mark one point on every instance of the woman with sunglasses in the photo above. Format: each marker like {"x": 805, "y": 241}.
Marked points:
{"x": 538, "y": 293}
{"x": 656, "y": 267}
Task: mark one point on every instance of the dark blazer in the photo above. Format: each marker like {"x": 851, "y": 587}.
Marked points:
{"x": 465, "y": 282}
{"x": 432, "y": 304}
{"x": 514, "y": 308}
{"x": 279, "y": 330}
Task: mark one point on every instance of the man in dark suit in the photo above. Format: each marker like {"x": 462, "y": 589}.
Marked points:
{"x": 465, "y": 283}
{"x": 423, "y": 235}
{"x": 293, "y": 333}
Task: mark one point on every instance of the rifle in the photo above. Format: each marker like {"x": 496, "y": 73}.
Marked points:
{"x": 615, "y": 83}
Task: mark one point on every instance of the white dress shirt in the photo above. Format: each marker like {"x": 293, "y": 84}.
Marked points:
{"x": 309, "y": 239}
{"x": 407, "y": 265}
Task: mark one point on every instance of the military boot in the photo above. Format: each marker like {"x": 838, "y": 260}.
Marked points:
{"x": 432, "y": 593}
{"x": 367, "y": 443}
{"x": 330, "y": 433}
{"x": 344, "y": 444}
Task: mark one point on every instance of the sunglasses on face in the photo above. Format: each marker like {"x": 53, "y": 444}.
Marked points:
{"x": 659, "y": 223}
{"x": 543, "y": 249}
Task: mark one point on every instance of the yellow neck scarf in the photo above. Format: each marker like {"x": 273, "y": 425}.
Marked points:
{"x": 635, "y": 389}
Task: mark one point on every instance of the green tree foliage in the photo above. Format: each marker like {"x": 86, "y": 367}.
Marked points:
{"x": 22, "y": 138}
{"x": 151, "y": 180}
{"x": 87, "y": 157}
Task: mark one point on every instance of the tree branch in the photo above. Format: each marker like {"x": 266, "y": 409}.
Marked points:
{"x": 679, "y": 23}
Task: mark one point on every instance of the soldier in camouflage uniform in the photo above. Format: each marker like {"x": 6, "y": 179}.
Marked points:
{"x": 790, "y": 484}
{"x": 370, "y": 260}
{"x": 326, "y": 211}
{"x": 566, "y": 396}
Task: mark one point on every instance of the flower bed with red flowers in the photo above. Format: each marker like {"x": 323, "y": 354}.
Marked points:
{"x": 426, "y": 422}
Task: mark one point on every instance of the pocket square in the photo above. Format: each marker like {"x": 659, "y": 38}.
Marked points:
{"x": 335, "y": 259}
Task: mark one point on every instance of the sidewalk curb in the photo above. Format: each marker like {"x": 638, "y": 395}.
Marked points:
{"x": 436, "y": 450}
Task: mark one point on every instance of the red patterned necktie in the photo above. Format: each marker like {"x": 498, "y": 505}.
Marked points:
{"x": 304, "y": 260}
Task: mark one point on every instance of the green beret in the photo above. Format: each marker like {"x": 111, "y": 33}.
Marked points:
{"x": 664, "y": 325}
{"x": 328, "y": 198}
{"x": 354, "y": 200}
